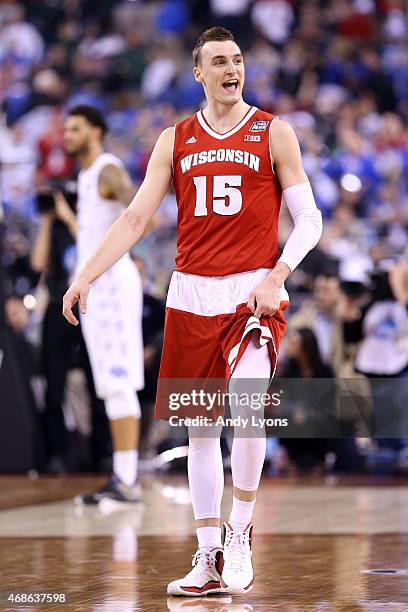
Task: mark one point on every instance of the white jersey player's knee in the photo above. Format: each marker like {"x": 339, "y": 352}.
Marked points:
{"x": 122, "y": 404}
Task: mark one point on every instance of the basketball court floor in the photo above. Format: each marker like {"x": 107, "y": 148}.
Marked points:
{"x": 320, "y": 544}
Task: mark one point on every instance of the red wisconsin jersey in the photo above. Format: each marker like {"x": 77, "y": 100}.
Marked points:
{"x": 228, "y": 196}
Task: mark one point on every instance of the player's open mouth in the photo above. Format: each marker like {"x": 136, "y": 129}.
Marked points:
{"x": 231, "y": 85}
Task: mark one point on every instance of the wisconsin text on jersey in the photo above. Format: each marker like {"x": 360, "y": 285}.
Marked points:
{"x": 220, "y": 155}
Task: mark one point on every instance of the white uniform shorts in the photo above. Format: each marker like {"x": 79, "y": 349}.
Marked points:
{"x": 112, "y": 328}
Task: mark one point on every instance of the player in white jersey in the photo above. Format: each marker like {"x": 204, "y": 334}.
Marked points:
{"x": 113, "y": 326}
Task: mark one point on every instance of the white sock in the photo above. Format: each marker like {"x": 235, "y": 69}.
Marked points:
{"x": 209, "y": 537}
{"x": 241, "y": 513}
{"x": 125, "y": 466}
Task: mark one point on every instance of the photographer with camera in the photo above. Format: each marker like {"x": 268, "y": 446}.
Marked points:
{"x": 380, "y": 327}
{"x": 63, "y": 347}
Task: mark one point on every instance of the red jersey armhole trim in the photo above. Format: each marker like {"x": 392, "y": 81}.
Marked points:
{"x": 172, "y": 152}
{"x": 269, "y": 144}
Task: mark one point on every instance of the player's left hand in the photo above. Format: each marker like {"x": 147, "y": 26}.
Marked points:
{"x": 265, "y": 299}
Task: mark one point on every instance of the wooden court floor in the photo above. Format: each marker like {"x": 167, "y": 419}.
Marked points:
{"x": 316, "y": 544}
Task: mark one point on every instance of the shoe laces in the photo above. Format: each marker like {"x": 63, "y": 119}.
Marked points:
{"x": 235, "y": 544}
{"x": 203, "y": 558}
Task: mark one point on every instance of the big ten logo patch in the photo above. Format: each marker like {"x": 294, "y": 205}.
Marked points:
{"x": 259, "y": 126}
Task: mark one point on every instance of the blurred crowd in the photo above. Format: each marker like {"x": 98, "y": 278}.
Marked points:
{"x": 337, "y": 70}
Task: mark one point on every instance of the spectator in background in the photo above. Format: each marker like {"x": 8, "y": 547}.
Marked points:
{"x": 303, "y": 361}
{"x": 353, "y": 19}
{"x": 131, "y": 62}
{"x": 159, "y": 73}
{"x": 303, "y": 358}
{"x": 273, "y": 19}
{"x": 371, "y": 77}
{"x": 354, "y": 157}
{"x": 234, "y": 15}
{"x": 345, "y": 234}
{"x": 21, "y": 39}
{"x": 384, "y": 330}
{"x": 319, "y": 314}
{"x": 382, "y": 355}
{"x": 18, "y": 165}
{"x": 54, "y": 162}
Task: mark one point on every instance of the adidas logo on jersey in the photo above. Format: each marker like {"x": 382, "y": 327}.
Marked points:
{"x": 191, "y": 140}
{"x": 252, "y": 138}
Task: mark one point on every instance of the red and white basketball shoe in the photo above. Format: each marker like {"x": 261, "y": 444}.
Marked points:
{"x": 205, "y": 576}
{"x": 238, "y": 573}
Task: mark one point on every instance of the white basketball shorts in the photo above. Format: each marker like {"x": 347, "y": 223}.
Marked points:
{"x": 112, "y": 328}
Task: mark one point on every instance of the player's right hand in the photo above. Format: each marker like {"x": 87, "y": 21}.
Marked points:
{"x": 78, "y": 292}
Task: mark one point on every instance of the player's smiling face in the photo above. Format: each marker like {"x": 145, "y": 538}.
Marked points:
{"x": 221, "y": 71}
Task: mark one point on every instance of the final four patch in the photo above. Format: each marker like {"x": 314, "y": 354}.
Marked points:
{"x": 259, "y": 126}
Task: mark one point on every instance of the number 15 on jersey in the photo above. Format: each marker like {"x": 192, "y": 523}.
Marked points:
{"x": 226, "y": 197}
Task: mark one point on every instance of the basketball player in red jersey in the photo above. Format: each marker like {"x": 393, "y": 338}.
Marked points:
{"x": 230, "y": 164}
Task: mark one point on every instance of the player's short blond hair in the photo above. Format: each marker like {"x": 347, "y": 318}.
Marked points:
{"x": 216, "y": 33}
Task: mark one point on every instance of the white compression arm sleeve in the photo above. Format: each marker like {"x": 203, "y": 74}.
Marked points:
{"x": 308, "y": 224}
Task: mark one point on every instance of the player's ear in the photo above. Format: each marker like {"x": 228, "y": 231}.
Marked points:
{"x": 96, "y": 132}
{"x": 197, "y": 74}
